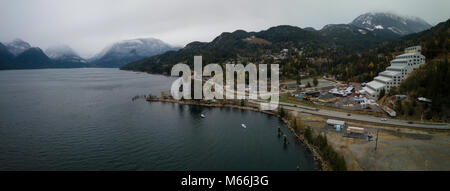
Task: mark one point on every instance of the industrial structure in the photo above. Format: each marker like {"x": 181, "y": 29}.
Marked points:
{"x": 336, "y": 124}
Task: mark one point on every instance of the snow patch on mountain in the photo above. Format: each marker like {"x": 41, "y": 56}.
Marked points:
{"x": 17, "y": 46}
{"x": 142, "y": 47}
{"x": 401, "y": 25}
{"x": 59, "y": 51}
{"x": 124, "y": 52}
{"x": 379, "y": 27}
{"x": 63, "y": 53}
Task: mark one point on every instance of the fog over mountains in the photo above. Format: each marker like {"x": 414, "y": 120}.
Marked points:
{"x": 60, "y": 51}
{"x": 365, "y": 31}
{"x": 126, "y": 51}
{"x": 17, "y": 46}
{"x": 65, "y": 56}
{"x": 19, "y": 54}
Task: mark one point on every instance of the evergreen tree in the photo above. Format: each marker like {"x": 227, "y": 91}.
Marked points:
{"x": 299, "y": 79}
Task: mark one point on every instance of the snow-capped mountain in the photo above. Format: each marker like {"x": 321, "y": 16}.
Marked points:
{"x": 390, "y": 22}
{"x": 127, "y": 51}
{"x": 60, "y": 51}
{"x": 64, "y": 53}
{"x": 17, "y": 46}
{"x": 65, "y": 57}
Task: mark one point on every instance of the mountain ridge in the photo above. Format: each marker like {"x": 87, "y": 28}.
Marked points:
{"x": 33, "y": 58}
{"x": 155, "y": 56}
{"x": 340, "y": 39}
{"x": 401, "y": 25}
{"x": 354, "y": 67}
{"x": 122, "y": 52}
{"x": 17, "y": 46}
{"x": 63, "y": 56}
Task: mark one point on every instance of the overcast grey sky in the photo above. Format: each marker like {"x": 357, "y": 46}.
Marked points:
{"x": 90, "y": 25}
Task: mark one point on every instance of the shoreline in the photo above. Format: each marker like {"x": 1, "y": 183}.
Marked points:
{"x": 323, "y": 165}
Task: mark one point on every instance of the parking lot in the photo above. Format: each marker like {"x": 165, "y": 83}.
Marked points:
{"x": 328, "y": 99}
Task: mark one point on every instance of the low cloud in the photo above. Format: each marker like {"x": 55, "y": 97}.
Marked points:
{"x": 90, "y": 25}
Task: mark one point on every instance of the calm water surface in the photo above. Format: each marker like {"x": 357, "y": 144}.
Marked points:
{"x": 85, "y": 119}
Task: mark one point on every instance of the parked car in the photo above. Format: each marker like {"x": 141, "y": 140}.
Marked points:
{"x": 383, "y": 119}
{"x": 348, "y": 114}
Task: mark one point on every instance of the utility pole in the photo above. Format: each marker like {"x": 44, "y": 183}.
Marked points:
{"x": 376, "y": 141}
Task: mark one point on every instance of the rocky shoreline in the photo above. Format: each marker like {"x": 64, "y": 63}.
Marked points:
{"x": 323, "y": 165}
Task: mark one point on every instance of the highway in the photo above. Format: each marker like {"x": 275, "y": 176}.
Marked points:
{"x": 359, "y": 117}
{"x": 353, "y": 117}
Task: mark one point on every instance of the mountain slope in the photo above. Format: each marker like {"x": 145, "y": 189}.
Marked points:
{"x": 328, "y": 42}
{"x": 17, "y": 46}
{"x": 123, "y": 52}
{"x": 56, "y": 52}
{"x": 390, "y": 23}
{"x": 364, "y": 66}
{"x": 18, "y": 54}
{"x": 32, "y": 58}
{"x": 350, "y": 36}
{"x": 6, "y": 58}
{"x": 65, "y": 57}
{"x": 429, "y": 81}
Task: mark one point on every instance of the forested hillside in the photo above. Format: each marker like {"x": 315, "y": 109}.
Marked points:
{"x": 325, "y": 45}
{"x": 363, "y": 67}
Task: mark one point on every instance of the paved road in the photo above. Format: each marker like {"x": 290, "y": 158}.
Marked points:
{"x": 355, "y": 117}
{"x": 359, "y": 117}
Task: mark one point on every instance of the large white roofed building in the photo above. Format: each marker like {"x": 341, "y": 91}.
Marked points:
{"x": 399, "y": 70}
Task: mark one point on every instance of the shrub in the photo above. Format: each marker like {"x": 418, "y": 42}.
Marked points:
{"x": 308, "y": 134}
{"x": 336, "y": 161}
{"x": 315, "y": 82}
{"x": 281, "y": 112}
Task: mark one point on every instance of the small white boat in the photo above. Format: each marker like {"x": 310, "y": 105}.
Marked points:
{"x": 243, "y": 125}
{"x": 202, "y": 115}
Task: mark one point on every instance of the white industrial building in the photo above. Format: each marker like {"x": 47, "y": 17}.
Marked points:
{"x": 400, "y": 68}
{"x": 338, "y": 125}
